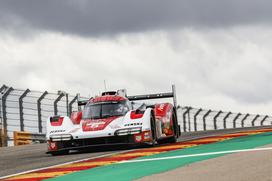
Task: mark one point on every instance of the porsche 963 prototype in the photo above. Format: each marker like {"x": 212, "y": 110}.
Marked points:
{"x": 114, "y": 119}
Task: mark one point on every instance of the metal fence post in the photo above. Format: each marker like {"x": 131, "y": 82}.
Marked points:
{"x": 5, "y": 123}
{"x": 67, "y": 104}
{"x": 195, "y": 118}
{"x": 255, "y": 119}
{"x": 39, "y": 109}
{"x": 78, "y": 99}
{"x": 56, "y": 103}
{"x": 3, "y": 88}
{"x": 235, "y": 119}
{"x": 263, "y": 120}
{"x": 189, "y": 119}
{"x": 204, "y": 119}
{"x": 215, "y": 119}
{"x": 225, "y": 119}
{"x": 184, "y": 117}
{"x": 21, "y": 109}
{"x": 243, "y": 120}
{"x": 71, "y": 105}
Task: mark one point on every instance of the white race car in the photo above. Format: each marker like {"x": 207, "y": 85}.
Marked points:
{"x": 110, "y": 119}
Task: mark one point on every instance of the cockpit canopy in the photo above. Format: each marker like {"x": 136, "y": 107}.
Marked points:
{"x": 101, "y": 110}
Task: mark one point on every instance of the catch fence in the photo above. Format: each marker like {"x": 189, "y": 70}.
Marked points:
{"x": 198, "y": 119}
{"x": 27, "y": 111}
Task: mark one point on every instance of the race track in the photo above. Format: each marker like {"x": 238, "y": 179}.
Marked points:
{"x": 24, "y": 158}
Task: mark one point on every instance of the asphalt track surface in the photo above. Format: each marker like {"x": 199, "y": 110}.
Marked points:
{"x": 14, "y": 160}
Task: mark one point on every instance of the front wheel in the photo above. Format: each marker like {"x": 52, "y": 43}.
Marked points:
{"x": 58, "y": 153}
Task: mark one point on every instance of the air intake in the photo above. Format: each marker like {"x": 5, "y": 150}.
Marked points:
{"x": 109, "y": 93}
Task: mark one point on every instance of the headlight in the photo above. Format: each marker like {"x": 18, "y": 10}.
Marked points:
{"x": 62, "y": 137}
{"x": 128, "y": 131}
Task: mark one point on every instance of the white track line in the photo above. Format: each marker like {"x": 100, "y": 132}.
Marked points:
{"x": 66, "y": 163}
{"x": 196, "y": 155}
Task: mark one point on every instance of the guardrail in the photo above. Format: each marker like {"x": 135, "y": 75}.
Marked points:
{"x": 24, "y": 138}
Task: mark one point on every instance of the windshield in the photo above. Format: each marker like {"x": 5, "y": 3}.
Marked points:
{"x": 104, "y": 110}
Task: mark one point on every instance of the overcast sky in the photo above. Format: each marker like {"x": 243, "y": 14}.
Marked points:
{"x": 218, "y": 53}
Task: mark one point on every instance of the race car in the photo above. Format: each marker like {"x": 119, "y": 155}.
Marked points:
{"x": 114, "y": 119}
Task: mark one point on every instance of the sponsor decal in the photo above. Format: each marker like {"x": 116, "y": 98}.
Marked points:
{"x": 97, "y": 125}
{"x": 134, "y": 124}
{"x": 143, "y": 136}
{"x": 94, "y": 125}
{"x": 52, "y": 146}
{"x": 138, "y": 138}
{"x": 57, "y": 131}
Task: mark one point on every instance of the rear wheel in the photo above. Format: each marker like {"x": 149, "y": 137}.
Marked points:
{"x": 175, "y": 128}
{"x": 153, "y": 129}
{"x": 172, "y": 139}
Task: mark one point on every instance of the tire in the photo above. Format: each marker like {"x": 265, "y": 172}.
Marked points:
{"x": 175, "y": 128}
{"x": 174, "y": 138}
{"x": 58, "y": 153}
{"x": 153, "y": 129}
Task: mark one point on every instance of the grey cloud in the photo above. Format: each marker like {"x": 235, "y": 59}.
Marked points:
{"x": 229, "y": 63}
{"x": 247, "y": 82}
{"x": 108, "y": 17}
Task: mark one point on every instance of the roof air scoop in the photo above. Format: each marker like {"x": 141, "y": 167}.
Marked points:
{"x": 109, "y": 93}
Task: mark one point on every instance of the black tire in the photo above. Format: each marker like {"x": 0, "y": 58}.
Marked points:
{"x": 153, "y": 129}
{"x": 58, "y": 153}
{"x": 174, "y": 138}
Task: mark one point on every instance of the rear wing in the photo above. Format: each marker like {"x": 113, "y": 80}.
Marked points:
{"x": 156, "y": 96}
{"x": 146, "y": 97}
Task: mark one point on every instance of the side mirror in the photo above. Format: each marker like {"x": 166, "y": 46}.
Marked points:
{"x": 76, "y": 117}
